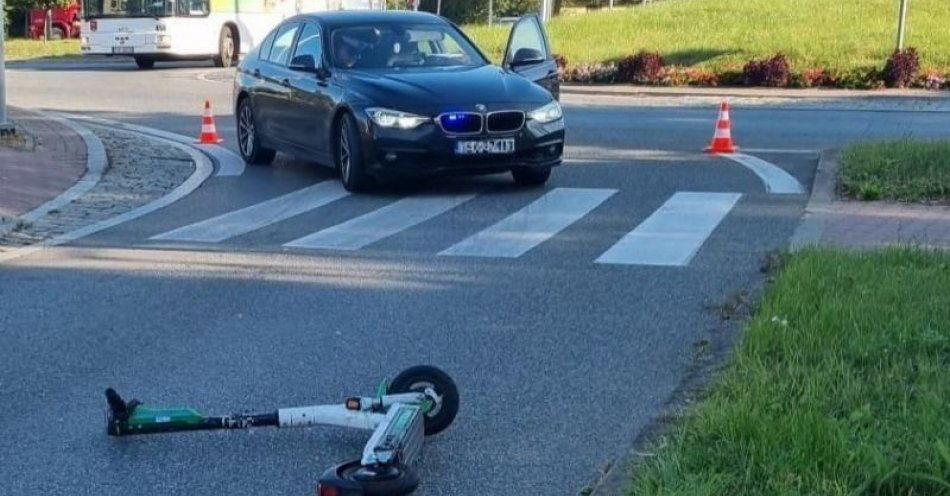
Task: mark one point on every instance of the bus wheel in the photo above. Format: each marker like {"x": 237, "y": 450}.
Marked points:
{"x": 144, "y": 62}
{"x": 227, "y": 48}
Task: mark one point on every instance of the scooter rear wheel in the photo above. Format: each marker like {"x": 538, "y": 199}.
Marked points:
{"x": 377, "y": 480}
{"x": 420, "y": 377}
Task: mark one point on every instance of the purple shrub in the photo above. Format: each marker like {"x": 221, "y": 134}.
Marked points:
{"x": 772, "y": 72}
{"x": 901, "y": 68}
{"x": 644, "y": 67}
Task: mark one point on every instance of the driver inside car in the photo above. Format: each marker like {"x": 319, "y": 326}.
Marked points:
{"x": 345, "y": 53}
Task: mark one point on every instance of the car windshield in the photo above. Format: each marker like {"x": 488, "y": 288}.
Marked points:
{"x": 128, "y": 8}
{"x": 398, "y": 46}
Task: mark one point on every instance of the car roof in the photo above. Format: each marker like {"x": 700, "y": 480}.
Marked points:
{"x": 337, "y": 18}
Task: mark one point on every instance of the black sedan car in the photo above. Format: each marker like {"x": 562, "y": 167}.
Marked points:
{"x": 376, "y": 94}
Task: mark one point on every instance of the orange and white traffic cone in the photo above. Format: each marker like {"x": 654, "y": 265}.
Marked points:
{"x": 722, "y": 140}
{"x": 209, "y": 134}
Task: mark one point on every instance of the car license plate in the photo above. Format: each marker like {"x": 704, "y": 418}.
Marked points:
{"x": 478, "y": 147}
{"x": 123, "y": 49}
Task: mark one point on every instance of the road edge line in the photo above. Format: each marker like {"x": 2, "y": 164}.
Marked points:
{"x": 96, "y": 164}
{"x": 203, "y": 170}
{"x": 811, "y": 227}
{"x": 776, "y": 180}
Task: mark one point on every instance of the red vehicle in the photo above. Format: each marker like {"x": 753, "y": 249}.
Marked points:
{"x": 65, "y": 23}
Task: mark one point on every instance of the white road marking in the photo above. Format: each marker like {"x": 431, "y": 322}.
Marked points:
{"x": 259, "y": 215}
{"x": 521, "y": 231}
{"x": 788, "y": 151}
{"x": 674, "y": 232}
{"x": 775, "y": 178}
{"x": 380, "y": 224}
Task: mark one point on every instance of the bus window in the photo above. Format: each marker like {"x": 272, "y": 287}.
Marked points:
{"x": 194, "y": 8}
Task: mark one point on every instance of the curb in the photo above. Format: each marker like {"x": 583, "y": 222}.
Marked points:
{"x": 810, "y": 229}
{"x": 96, "y": 164}
{"x": 203, "y": 170}
{"x": 229, "y": 163}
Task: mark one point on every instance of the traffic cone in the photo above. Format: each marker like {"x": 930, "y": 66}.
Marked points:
{"x": 209, "y": 134}
{"x": 722, "y": 140}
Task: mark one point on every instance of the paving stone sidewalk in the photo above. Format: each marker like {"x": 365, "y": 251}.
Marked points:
{"x": 52, "y": 160}
{"x": 856, "y": 224}
{"x": 140, "y": 171}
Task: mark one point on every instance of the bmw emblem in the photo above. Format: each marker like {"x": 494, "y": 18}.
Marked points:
{"x": 481, "y": 108}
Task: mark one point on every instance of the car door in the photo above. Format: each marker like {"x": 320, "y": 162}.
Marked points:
{"x": 310, "y": 100}
{"x": 274, "y": 88}
{"x": 529, "y": 54}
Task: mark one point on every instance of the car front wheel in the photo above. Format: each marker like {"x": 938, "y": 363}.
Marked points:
{"x": 534, "y": 176}
{"x": 248, "y": 140}
{"x": 349, "y": 156}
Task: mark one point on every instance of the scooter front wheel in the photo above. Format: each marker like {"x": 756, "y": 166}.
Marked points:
{"x": 352, "y": 478}
{"x": 422, "y": 377}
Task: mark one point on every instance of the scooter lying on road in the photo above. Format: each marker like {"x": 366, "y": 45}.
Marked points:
{"x": 420, "y": 401}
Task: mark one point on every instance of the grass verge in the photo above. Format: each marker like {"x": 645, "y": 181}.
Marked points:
{"x": 722, "y": 35}
{"x": 22, "y": 49}
{"x": 903, "y": 170}
{"x": 839, "y": 387}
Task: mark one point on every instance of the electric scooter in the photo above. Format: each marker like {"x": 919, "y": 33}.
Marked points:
{"x": 420, "y": 401}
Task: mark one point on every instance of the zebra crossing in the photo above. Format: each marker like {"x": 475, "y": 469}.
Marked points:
{"x": 671, "y": 236}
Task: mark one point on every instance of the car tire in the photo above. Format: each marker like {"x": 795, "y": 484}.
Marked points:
{"x": 57, "y": 33}
{"x": 349, "y": 155}
{"x": 420, "y": 377}
{"x": 534, "y": 176}
{"x": 144, "y": 62}
{"x": 227, "y": 49}
{"x": 249, "y": 141}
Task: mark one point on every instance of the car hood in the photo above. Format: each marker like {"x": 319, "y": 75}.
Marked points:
{"x": 415, "y": 90}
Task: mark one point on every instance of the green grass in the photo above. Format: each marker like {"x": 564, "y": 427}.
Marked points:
{"x": 22, "y": 49}
{"x": 722, "y": 35}
{"x": 840, "y": 386}
{"x": 904, "y": 170}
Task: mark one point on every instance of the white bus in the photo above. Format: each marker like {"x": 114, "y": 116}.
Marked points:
{"x": 151, "y": 30}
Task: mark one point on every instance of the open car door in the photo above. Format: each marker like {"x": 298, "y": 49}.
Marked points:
{"x": 529, "y": 53}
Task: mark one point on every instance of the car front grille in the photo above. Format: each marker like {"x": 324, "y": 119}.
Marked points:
{"x": 505, "y": 121}
{"x": 461, "y": 122}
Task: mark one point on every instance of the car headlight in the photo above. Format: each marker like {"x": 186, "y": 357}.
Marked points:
{"x": 396, "y": 119}
{"x": 548, "y": 113}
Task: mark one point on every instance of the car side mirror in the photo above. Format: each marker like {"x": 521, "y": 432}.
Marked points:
{"x": 304, "y": 63}
{"x": 526, "y": 56}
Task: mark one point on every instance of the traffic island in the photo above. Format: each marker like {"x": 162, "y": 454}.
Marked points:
{"x": 136, "y": 171}
{"x": 42, "y": 160}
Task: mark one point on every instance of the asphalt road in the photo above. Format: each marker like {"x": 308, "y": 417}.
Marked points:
{"x": 561, "y": 361}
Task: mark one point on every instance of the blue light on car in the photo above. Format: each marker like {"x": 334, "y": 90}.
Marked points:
{"x": 461, "y": 123}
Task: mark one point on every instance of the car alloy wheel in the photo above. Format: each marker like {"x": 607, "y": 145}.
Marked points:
{"x": 345, "y": 157}
{"x": 246, "y": 131}
{"x": 249, "y": 142}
